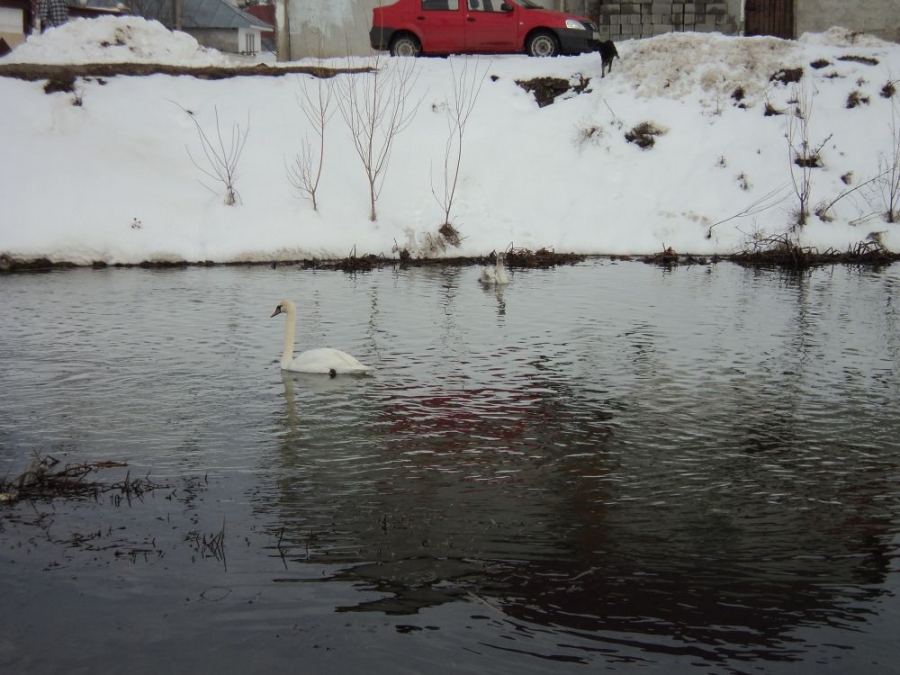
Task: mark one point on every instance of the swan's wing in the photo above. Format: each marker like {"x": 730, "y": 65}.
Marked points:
{"x": 326, "y": 360}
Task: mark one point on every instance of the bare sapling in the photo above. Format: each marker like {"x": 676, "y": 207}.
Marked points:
{"x": 882, "y": 191}
{"x": 467, "y": 85}
{"x": 823, "y": 209}
{"x": 801, "y": 158}
{"x": 306, "y": 170}
{"x": 222, "y": 157}
{"x": 376, "y": 107}
{"x": 764, "y": 203}
{"x": 889, "y": 165}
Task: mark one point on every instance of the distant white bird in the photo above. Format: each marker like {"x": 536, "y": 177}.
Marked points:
{"x": 324, "y": 360}
{"x": 496, "y": 274}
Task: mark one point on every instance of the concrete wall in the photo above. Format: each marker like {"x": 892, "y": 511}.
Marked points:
{"x": 646, "y": 18}
{"x": 877, "y": 17}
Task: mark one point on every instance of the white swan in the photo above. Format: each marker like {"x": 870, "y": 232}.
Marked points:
{"x": 496, "y": 274}
{"x": 324, "y": 360}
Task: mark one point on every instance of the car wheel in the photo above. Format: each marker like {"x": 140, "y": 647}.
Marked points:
{"x": 406, "y": 45}
{"x": 542, "y": 43}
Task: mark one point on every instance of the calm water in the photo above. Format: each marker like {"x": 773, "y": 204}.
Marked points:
{"x": 605, "y": 466}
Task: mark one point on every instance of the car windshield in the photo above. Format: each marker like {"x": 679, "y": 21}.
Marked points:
{"x": 528, "y": 4}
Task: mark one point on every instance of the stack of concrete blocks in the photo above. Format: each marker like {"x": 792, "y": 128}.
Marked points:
{"x": 646, "y": 18}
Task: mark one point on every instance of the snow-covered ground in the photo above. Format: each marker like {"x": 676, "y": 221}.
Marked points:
{"x": 121, "y": 177}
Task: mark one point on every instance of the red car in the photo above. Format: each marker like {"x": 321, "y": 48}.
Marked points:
{"x": 414, "y": 27}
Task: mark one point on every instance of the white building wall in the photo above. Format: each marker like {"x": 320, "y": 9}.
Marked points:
{"x": 330, "y": 29}
{"x": 877, "y": 17}
{"x": 12, "y": 25}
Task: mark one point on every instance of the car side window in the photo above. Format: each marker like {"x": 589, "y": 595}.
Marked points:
{"x": 440, "y": 5}
{"x": 485, "y": 5}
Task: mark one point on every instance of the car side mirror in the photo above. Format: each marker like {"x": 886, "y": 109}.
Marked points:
{"x": 505, "y": 8}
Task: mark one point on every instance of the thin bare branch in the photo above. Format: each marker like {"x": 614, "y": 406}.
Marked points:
{"x": 222, "y": 157}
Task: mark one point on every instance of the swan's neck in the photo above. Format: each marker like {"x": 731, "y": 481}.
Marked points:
{"x": 287, "y": 355}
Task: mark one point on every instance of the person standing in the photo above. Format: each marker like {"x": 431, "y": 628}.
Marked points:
{"x": 53, "y": 13}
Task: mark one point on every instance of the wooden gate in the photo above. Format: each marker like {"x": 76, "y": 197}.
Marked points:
{"x": 769, "y": 17}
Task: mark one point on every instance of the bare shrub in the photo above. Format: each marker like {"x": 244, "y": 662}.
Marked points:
{"x": 888, "y": 183}
{"x": 764, "y": 203}
{"x": 882, "y": 191}
{"x": 375, "y": 106}
{"x": 467, "y": 85}
{"x": 306, "y": 171}
{"x": 780, "y": 250}
{"x": 222, "y": 157}
{"x": 803, "y": 156}
{"x": 823, "y": 209}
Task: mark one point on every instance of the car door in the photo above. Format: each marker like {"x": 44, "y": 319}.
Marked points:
{"x": 440, "y": 23}
{"x": 489, "y": 28}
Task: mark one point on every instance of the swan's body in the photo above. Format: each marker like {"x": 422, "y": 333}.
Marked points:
{"x": 324, "y": 360}
{"x": 494, "y": 275}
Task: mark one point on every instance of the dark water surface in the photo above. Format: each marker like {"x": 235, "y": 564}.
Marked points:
{"x": 607, "y": 466}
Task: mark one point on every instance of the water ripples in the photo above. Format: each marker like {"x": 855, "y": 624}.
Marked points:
{"x": 693, "y": 462}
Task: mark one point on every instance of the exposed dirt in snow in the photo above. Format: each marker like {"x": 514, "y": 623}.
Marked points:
{"x": 62, "y": 72}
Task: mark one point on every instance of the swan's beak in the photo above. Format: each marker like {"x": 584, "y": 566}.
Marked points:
{"x": 276, "y": 312}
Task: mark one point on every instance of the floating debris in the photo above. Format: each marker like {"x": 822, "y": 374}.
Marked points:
{"x": 46, "y": 480}
{"x": 782, "y": 251}
{"x": 542, "y": 258}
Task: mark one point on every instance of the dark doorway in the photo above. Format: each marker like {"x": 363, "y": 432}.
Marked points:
{"x": 769, "y": 17}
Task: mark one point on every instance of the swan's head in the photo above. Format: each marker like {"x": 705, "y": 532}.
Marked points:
{"x": 284, "y": 307}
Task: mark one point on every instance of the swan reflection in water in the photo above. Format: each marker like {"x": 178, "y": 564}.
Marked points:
{"x": 313, "y": 386}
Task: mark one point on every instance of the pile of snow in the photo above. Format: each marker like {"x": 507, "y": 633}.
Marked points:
{"x": 677, "y": 65}
{"x": 674, "y": 65}
{"x": 844, "y": 37}
{"x": 114, "y": 40}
